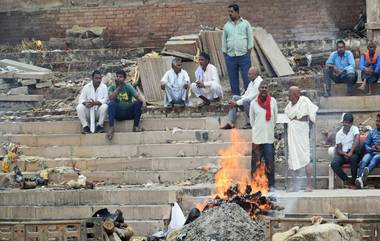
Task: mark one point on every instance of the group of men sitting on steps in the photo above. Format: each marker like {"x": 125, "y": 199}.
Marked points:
{"x": 348, "y": 150}
{"x": 96, "y": 100}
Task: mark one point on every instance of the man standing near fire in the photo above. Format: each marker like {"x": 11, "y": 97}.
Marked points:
{"x": 263, "y": 116}
{"x": 300, "y": 110}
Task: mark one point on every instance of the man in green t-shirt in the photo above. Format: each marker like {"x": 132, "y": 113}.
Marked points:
{"x": 122, "y": 106}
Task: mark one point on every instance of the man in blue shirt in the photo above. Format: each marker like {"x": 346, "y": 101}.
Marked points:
{"x": 237, "y": 43}
{"x": 340, "y": 67}
{"x": 372, "y": 156}
{"x": 369, "y": 66}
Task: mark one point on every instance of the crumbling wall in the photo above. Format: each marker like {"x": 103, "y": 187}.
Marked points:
{"x": 150, "y": 22}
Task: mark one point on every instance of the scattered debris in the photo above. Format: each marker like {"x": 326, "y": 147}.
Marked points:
{"x": 227, "y": 222}
{"x": 115, "y": 229}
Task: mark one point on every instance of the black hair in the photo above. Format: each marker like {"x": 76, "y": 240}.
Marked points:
{"x": 121, "y": 72}
{"x": 264, "y": 82}
{"x": 95, "y": 72}
{"x": 234, "y": 6}
{"x": 205, "y": 55}
{"x": 348, "y": 117}
{"x": 341, "y": 42}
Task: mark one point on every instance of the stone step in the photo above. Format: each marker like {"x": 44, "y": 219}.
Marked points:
{"x": 148, "y": 150}
{"x": 73, "y": 127}
{"x": 149, "y": 164}
{"x": 101, "y": 196}
{"x": 341, "y": 90}
{"x": 146, "y": 227}
{"x": 130, "y": 212}
{"x": 350, "y": 103}
{"x": 43, "y": 58}
{"x": 130, "y": 138}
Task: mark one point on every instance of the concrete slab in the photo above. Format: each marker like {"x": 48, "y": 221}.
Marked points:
{"x": 146, "y": 150}
{"x": 131, "y": 212}
{"x": 348, "y": 103}
{"x": 100, "y": 196}
{"x": 148, "y": 137}
{"x": 67, "y": 127}
{"x": 21, "y": 98}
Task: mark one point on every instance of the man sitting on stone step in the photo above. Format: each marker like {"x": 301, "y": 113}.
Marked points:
{"x": 301, "y": 112}
{"x": 346, "y": 150}
{"x": 207, "y": 86}
{"x": 93, "y": 105}
{"x": 372, "y": 155}
{"x": 122, "y": 106}
{"x": 176, "y": 83}
{"x": 369, "y": 66}
{"x": 243, "y": 102}
{"x": 340, "y": 67}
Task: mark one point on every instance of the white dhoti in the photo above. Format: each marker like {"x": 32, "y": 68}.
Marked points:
{"x": 298, "y": 132}
{"x": 211, "y": 92}
{"x": 175, "y": 96}
{"x": 92, "y": 114}
{"x": 298, "y": 144}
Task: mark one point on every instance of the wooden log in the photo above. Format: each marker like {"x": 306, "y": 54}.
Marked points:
{"x": 108, "y": 226}
{"x": 183, "y": 46}
{"x": 264, "y": 62}
{"x": 124, "y": 233}
{"x": 272, "y": 52}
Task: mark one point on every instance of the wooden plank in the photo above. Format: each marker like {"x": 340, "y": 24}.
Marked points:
{"x": 272, "y": 52}
{"x": 255, "y": 62}
{"x": 218, "y": 46}
{"x": 26, "y": 75}
{"x": 183, "y": 46}
{"x": 177, "y": 54}
{"x": 264, "y": 62}
{"x": 151, "y": 72}
{"x": 22, "y": 66}
{"x": 190, "y": 68}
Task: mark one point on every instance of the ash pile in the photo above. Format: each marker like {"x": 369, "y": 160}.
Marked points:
{"x": 226, "y": 222}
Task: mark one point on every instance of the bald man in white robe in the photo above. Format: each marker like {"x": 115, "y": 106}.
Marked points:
{"x": 301, "y": 111}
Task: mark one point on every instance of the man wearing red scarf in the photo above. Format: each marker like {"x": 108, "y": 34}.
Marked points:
{"x": 263, "y": 117}
{"x": 369, "y": 65}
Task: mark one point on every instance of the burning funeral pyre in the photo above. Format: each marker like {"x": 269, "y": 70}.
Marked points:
{"x": 234, "y": 182}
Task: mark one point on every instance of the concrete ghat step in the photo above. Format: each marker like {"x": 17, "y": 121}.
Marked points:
{"x": 146, "y": 227}
{"x": 148, "y": 137}
{"x": 341, "y": 89}
{"x": 130, "y": 212}
{"x": 73, "y": 127}
{"x": 148, "y": 150}
{"x": 320, "y": 201}
{"x": 348, "y": 103}
{"x": 151, "y": 164}
{"x": 100, "y": 196}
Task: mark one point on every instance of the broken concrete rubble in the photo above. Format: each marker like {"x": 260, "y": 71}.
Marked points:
{"x": 228, "y": 222}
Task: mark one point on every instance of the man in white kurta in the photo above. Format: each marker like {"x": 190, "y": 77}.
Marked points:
{"x": 243, "y": 102}
{"x": 263, "y": 116}
{"x": 300, "y": 110}
{"x": 207, "y": 86}
{"x": 93, "y": 105}
{"x": 176, "y": 83}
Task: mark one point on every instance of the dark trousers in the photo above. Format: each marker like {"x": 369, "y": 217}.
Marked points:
{"x": 233, "y": 64}
{"x": 131, "y": 113}
{"x": 347, "y": 78}
{"x": 339, "y": 160}
{"x": 265, "y": 151}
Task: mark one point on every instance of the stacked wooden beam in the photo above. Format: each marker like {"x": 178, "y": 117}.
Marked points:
{"x": 269, "y": 54}
{"x": 212, "y": 44}
{"x": 152, "y": 69}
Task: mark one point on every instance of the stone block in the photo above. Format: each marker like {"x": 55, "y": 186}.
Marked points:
{"x": 26, "y": 82}
{"x": 19, "y": 91}
{"x": 46, "y": 84}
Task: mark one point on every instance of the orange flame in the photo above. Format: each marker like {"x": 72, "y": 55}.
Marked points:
{"x": 234, "y": 169}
